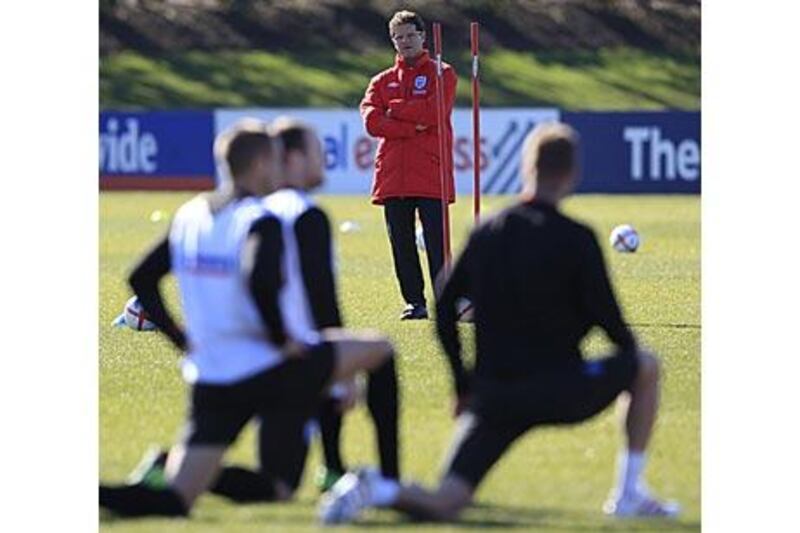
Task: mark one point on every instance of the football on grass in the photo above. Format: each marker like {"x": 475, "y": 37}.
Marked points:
{"x": 624, "y": 239}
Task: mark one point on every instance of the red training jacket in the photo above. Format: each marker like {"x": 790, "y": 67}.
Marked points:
{"x": 407, "y": 160}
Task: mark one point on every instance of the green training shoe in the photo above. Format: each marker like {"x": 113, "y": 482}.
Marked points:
{"x": 327, "y": 478}
{"x": 150, "y": 470}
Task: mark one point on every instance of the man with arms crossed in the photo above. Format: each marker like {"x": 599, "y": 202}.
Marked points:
{"x": 242, "y": 361}
{"x": 399, "y": 108}
{"x": 538, "y": 283}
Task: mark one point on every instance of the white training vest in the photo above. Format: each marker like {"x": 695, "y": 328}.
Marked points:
{"x": 287, "y": 205}
{"x": 227, "y": 337}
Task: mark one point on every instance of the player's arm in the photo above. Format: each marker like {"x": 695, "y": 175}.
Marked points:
{"x": 455, "y": 286}
{"x": 423, "y": 110}
{"x": 313, "y": 234}
{"x": 598, "y": 297}
{"x": 262, "y": 267}
{"x": 145, "y": 279}
{"x": 373, "y": 113}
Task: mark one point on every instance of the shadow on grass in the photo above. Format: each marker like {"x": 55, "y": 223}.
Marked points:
{"x": 487, "y": 515}
{"x": 478, "y": 516}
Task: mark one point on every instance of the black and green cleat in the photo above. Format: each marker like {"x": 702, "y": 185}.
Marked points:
{"x": 326, "y": 478}
{"x": 150, "y": 470}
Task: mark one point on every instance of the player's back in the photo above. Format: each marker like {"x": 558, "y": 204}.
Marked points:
{"x": 288, "y": 206}
{"x": 526, "y": 287}
{"x": 226, "y": 334}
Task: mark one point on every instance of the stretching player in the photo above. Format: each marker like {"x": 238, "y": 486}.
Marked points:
{"x": 307, "y": 256}
{"x": 538, "y": 283}
{"x": 245, "y": 355}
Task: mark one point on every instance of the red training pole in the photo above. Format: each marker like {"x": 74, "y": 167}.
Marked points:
{"x": 476, "y": 122}
{"x": 441, "y": 130}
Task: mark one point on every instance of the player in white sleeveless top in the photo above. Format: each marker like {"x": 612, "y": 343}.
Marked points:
{"x": 309, "y": 294}
{"x": 243, "y": 360}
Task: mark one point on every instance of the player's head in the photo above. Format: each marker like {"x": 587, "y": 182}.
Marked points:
{"x": 550, "y": 161}
{"x": 407, "y": 31}
{"x": 302, "y": 153}
{"x": 251, "y": 156}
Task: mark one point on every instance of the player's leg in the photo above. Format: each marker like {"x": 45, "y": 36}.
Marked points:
{"x": 630, "y": 496}
{"x": 443, "y": 504}
{"x": 383, "y": 404}
{"x": 284, "y": 436}
{"x": 190, "y": 470}
{"x": 187, "y": 472}
{"x": 642, "y": 403}
{"x": 634, "y": 380}
{"x": 373, "y": 353}
{"x": 285, "y": 399}
{"x": 218, "y": 414}
{"x": 329, "y": 417}
{"x": 356, "y": 351}
{"x": 399, "y": 215}
{"x": 282, "y": 450}
{"x": 215, "y": 419}
{"x": 477, "y": 446}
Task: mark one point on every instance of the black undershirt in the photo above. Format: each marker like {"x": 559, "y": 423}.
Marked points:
{"x": 539, "y": 283}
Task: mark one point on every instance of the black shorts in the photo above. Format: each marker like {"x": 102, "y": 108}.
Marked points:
{"x": 219, "y": 412}
{"x": 502, "y": 411}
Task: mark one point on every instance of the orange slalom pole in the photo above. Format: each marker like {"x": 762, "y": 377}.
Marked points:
{"x": 476, "y": 123}
{"x": 442, "y": 131}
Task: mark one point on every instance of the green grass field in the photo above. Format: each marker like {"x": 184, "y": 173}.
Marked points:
{"x": 552, "y": 480}
{"x": 605, "y": 79}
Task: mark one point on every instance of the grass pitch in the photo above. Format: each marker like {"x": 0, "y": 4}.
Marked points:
{"x": 552, "y": 480}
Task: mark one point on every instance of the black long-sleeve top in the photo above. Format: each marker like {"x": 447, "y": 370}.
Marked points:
{"x": 538, "y": 283}
{"x": 313, "y": 234}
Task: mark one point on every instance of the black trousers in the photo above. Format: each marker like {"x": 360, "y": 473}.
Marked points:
{"x": 400, "y": 216}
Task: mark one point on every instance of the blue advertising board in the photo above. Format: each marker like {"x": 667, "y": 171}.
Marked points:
{"x": 156, "y": 150}
{"x": 640, "y": 152}
{"x": 622, "y": 152}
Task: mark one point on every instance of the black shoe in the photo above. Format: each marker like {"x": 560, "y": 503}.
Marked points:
{"x": 414, "y": 312}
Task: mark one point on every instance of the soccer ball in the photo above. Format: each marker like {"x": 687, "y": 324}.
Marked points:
{"x": 624, "y": 238}
{"x": 135, "y": 317}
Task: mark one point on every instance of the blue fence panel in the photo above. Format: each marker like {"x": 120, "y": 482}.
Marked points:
{"x": 640, "y": 152}
{"x": 156, "y": 150}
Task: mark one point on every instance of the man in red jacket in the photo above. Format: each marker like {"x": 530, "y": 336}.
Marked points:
{"x": 399, "y": 108}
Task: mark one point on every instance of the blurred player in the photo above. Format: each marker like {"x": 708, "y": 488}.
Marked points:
{"x": 538, "y": 282}
{"x": 246, "y": 355}
{"x": 307, "y": 253}
{"x": 399, "y": 108}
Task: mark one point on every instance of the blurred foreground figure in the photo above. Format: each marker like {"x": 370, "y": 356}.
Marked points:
{"x": 250, "y": 353}
{"x": 538, "y": 283}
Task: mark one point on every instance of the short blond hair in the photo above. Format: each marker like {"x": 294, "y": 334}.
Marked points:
{"x": 550, "y": 152}
{"x": 236, "y": 148}
{"x": 406, "y": 17}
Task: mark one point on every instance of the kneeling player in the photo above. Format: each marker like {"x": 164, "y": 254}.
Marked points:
{"x": 241, "y": 363}
{"x": 538, "y": 283}
{"x": 306, "y": 257}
